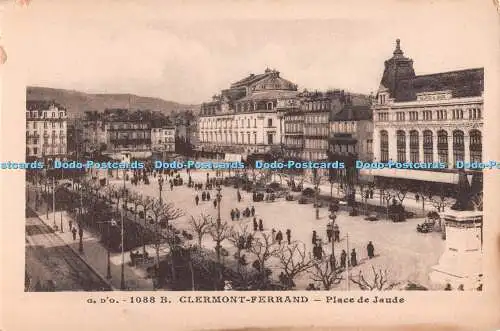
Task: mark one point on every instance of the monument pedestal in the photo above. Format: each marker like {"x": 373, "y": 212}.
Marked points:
{"x": 461, "y": 262}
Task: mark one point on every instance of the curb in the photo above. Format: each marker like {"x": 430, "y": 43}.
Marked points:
{"x": 98, "y": 273}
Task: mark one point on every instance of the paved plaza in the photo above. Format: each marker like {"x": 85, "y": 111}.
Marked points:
{"x": 406, "y": 254}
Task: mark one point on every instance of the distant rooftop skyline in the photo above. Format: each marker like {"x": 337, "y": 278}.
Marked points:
{"x": 144, "y": 50}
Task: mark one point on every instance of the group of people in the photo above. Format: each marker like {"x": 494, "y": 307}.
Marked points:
{"x": 205, "y": 196}
{"x": 277, "y": 236}
{"x": 247, "y": 212}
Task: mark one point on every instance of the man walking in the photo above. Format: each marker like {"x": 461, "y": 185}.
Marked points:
{"x": 371, "y": 250}
{"x": 289, "y": 236}
{"x": 329, "y": 231}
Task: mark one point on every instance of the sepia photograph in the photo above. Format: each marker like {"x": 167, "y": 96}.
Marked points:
{"x": 333, "y": 158}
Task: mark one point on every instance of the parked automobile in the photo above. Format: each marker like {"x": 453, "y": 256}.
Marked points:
{"x": 371, "y": 217}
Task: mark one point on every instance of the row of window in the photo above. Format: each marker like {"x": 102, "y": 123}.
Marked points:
{"x": 316, "y": 119}
{"x": 317, "y": 105}
{"x": 34, "y": 125}
{"x": 294, "y": 127}
{"x": 126, "y": 126}
{"x": 45, "y": 151}
{"x": 343, "y": 127}
{"x": 228, "y": 124}
{"x": 130, "y": 135}
{"x": 316, "y": 144}
{"x": 427, "y": 115}
{"x": 45, "y": 134}
{"x": 242, "y": 138}
{"x": 475, "y": 146}
{"x": 34, "y": 141}
{"x": 53, "y": 114}
{"x": 316, "y": 131}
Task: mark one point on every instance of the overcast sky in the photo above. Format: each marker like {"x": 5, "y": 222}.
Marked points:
{"x": 186, "y": 54}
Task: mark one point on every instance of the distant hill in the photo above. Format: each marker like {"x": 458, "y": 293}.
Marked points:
{"x": 77, "y": 102}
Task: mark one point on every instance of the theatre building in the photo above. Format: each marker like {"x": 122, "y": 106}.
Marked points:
{"x": 427, "y": 118}
{"x": 243, "y": 119}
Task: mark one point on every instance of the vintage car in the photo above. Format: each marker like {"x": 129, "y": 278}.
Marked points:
{"x": 371, "y": 217}
{"x": 426, "y": 227}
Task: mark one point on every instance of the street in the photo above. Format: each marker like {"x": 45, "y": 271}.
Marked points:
{"x": 53, "y": 266}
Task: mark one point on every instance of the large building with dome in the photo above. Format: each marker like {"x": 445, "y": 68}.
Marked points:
{"x": 243, "y": 119}
{"x": 427, "y": 118}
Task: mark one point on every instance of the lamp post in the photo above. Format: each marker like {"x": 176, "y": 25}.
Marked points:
{"x": 122, "y": 274}
{"x": 80, "y": 219}
{"x": 108, "y": 240}
{"x": 218, "y": 246}
{"x": 54, "y": 200}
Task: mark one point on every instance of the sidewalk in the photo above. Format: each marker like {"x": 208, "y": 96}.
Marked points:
{"x": 95, "y": 255}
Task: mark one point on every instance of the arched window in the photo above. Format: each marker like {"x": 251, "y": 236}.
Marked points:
{"x": 443, "y": 146}
{"x": 414, "y": 148}
{"x": 384, "y": 146}
{"x": 401, "y": 145}
{"x": 428, "y": 148}
{"x": 458, "y": 146}
{"x": 475, "y": 146}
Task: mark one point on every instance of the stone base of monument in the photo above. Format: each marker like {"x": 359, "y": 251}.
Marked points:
{"x": 461, "y": 262}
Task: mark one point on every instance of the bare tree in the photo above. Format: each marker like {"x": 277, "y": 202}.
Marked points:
{"x": 323, "y": 272}
{"x": 478, "y": 201}
{"x": 263, "y": 249}
{"x": 424, "y": 194}
{"x": 379, "y": 282}
{"x": 294, "y": 260}
{"x": 165, "y": 212}
{"x": 219, "y": 231}
{"x": 401, "y": 193}
{"x": 239, "y": 237}
{"x": 316, "y": 180}
{"x": 201, "y": 226}
{"x": 440, "y": 202}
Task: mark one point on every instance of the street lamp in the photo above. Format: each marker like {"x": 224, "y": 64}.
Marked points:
{"x": 108, "y": 235}
{"x": 218, "y": 245}
{"x": 122, "y": 275}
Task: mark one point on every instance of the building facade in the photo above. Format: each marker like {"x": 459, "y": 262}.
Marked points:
{"x": 427, "y": 118}
{"x": 163, "y": 139}
{"x": 244, "y": 119}
{"x": 46, "y": 130}
{"x": 351, "y": 134}
{"x": 292, "y": 124}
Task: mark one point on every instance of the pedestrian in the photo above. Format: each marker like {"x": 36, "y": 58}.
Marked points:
{"x": 289, "y": 236}
{"x": 197, "y": 199}
{"x": 74, "y": 233}
{"x": 203, "y": 196}
{"x": 273, "y": 233}
{"x": 237, "y": 214}
{"x": 238, "y": 194}
{"x": 314, "y": 237}
{"x": 261, "y": 225}
{"x": 255, "y": 225}
{"x": 249, "y": 241}
{"x": 320, "y": 252}
{"x": 329, "y": 231}
{"x": 371, "y": 250}
{"x": 70, "y": 225}
{"x": 208, "y": 196}
{"x": 336, "y": 232}
{"x": 215, "y": 203}
{"x": 333, "y": 262}
{"x": 354, "y": 260}
{"x": 343, "y": 258}
{"x": 279, "y": 237}
{"x": 232, "y": 214}
{"x": 253, "y": 211}
{"x": 417, "y": 197}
